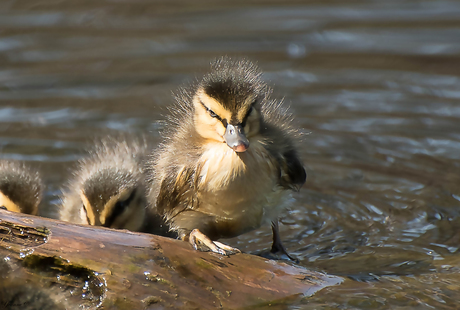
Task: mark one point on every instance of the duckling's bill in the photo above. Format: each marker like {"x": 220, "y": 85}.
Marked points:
{"x": 235, "y": 138}
{"x": 216, "y": 121}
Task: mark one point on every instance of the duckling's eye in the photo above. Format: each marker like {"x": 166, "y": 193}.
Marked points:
{"x": 213, "y": 115}
{"x": 211, "y": 112}
{"x": 3, "y": 207}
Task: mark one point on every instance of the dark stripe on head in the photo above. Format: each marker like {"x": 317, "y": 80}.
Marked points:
{"x": 234, "y": 120}
{"x": 213, "y": 114}
{"x": 118, "y": 209}
{"x": 21, "y": 185}
{"x": 86, "y": 214}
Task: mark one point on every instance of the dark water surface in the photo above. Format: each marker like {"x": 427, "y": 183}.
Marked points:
{"x": 374, "y": 86}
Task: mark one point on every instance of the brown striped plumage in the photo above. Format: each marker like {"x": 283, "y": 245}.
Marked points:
{"x": 21, "y": 188}
{"x": 108, "y": 187}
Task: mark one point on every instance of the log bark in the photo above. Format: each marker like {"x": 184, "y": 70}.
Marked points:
{"x": 49, "y": 264}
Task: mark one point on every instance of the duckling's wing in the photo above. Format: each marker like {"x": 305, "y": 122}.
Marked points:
{"x": 280, "y": 144}
{"x": 293, "y": 173}
{"x": 176, "y": 192}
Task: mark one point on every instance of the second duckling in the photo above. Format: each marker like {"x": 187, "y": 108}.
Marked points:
{"x": 21, "y": 187}
{"x": 108, "y": 186}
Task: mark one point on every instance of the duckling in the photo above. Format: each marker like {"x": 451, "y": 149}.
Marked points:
{"x": 108, "y": 186}
{"x": 227, "y": 160}
{"x": 21, "y": 187}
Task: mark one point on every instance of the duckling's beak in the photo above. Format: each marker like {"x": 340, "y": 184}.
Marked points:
{"x": 235, "y": 138}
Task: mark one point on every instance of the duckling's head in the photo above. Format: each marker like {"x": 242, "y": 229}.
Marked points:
{"x": 113, "y": 198}
{"x": 20, "y": 188}
{"x": 227, "y": 103}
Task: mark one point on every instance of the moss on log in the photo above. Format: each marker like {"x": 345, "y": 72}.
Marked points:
{"x": 49, "y": 264}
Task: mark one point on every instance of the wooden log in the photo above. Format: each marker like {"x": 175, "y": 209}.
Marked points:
{"x": 62, "y": 265}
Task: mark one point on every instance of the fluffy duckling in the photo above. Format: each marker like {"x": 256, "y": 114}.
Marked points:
{"x": 108, "y": 186}
{"x": 20, "y": 187}
{"x": 227, "y": 159}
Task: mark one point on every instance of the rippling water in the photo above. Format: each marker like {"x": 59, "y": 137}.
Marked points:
{"x": 374, "y": 87}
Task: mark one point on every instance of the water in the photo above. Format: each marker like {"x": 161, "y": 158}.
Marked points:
{"x": 374, "y": 87}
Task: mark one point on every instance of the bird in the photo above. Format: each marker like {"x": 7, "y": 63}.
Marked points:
{"x": 228, "y": 158}
{"x": 108, "y": 188}
{"x": 21, "y": 187}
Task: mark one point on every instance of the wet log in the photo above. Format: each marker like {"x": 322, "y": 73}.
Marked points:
{"x": 49, "y": 264}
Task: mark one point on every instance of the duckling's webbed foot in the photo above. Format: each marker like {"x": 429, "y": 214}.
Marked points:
{"x": 196, "y": 237}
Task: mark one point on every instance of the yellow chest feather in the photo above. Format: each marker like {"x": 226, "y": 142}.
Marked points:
{"x": 239, "y": 186}
{"x": 220, "y": 166}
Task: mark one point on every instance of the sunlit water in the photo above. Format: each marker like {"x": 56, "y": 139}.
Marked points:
{"x": 374, "y": 87}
